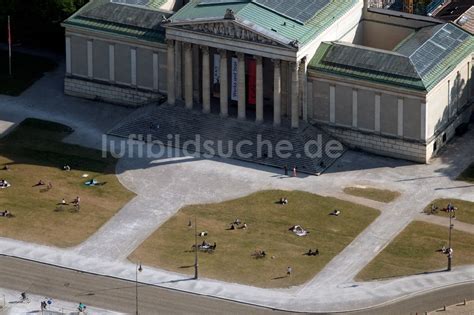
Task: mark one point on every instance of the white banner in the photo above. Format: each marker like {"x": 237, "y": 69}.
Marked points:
{"x": 217, "y": 69}
{"x": 234, "y": 92}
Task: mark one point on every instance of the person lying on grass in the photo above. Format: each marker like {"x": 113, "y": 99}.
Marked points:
{"x": 6, "y": 213}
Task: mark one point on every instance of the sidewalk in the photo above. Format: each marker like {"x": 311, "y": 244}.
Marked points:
{"x": 10, "y": 303}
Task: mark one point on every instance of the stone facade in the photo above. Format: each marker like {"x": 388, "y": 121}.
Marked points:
{"x": 401, "y": 148}
{"x": 116, "y": 94}
{"x": 441, "y": 138}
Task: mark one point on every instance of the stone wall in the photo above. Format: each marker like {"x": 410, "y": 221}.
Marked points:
{"x": 379, "y": 144}
{"x": 109, "y": 93}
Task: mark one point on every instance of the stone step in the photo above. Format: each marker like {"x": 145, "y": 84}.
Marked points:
{"x": 162, "y": 121}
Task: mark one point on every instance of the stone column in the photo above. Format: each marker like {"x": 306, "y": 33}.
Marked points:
{"x": 155, "y": 72}
{"x": 206, "y": 85}
{"x": 178, "y": 74}
{"x": 224, "y": 90}
{"x": 302, "y": 90}
{"x": 276, "y": 93}
{"x": 133, "y": 66}
{"x": 90, "y": 65}
{"x": 197, "y": 84}
{"x": 171, "y": 79}
{"x": 423, "y": 125}
{"x": 68, "y": 55}
{"x": 259, "y": 87}
{"x": 112, "y": 63}
{"x": 294, "y": 95}
{"x": 400, "y": 117}
{"x": 332, "y": 104}
{"x": 355, "y": 107}
{"x": 241, "y": 86}
{"x": 285, "y": 86}
{"x": 188, "y": 80}
{"x": 377, "y": 112}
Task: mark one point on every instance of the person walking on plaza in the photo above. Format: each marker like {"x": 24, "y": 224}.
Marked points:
{"x": 286, "y": 170}
{"x": 294, "y": 171}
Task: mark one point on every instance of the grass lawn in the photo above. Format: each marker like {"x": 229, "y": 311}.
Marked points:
{"x": 34, "y": 152}
{"x": 268, "y": 223}
{"x": 468, "y": 174}
{"x": 26, "y": 70}
{"x": 381, "y": 195}
{"x": 465, "y": 212}
{"x": 414, "y": 251}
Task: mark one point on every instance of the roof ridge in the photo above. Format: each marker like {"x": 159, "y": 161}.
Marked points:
{"x": 390, "y": 52}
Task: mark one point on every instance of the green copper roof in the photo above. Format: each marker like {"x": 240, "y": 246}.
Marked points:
{"x": 271, "y": 20}
{"x": 136, "y": 21}
{"x": 319, "y": 63}
{"x": 419, "y": 63}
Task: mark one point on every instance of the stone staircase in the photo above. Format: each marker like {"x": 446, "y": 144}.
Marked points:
{"x": 160, "y": 122}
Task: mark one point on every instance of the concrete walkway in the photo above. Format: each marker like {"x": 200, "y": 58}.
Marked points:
{"x": 164, "y": 185}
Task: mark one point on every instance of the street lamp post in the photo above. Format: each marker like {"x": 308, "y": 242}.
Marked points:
{"x": 138, "y": 268}
{"x": 196, "y": 263}
{"x": 450, "y": 250}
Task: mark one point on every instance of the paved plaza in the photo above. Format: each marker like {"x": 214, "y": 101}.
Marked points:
{"x": 164, "y": 185}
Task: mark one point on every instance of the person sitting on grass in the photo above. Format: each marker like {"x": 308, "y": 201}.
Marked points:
{"x": 40, "y": 183}
{"x": 244, "y": 226}
{"x": 5, "y": 213}
{"x": 232, "y": 227}
{"x": 336, "y": 212}
{"x": 76, "y": 201}
{"x": 66, "y": 168}
{"x": 6, "y": 168}
{"x": 237, "y": 221}
{"x": 63, "y": 202}
{"x": 284, "y": 201}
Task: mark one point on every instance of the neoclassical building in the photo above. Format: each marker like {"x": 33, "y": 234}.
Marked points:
{"x": 386, "y": 82}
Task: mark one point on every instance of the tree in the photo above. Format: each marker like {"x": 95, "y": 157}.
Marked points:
{"x": 37, "y": 22}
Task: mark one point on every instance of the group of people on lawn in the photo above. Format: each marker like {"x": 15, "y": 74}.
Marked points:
{"x": 4, "y": 184}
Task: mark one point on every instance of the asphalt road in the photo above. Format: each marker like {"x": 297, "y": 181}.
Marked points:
{"x": 119, "y": 295}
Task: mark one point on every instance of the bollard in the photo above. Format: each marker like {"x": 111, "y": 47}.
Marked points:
{"x": 444, "y": 308}
{"x": 464, "y": 302}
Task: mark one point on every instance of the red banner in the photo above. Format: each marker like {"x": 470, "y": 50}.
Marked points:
{"x": 252, "y": 81}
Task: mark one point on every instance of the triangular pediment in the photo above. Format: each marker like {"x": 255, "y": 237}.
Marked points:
{"x": 237, "y": 30}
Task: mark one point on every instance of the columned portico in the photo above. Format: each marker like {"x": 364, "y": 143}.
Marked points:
{"x": 236, "y": 75}
{"x": 241, "y": 86}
